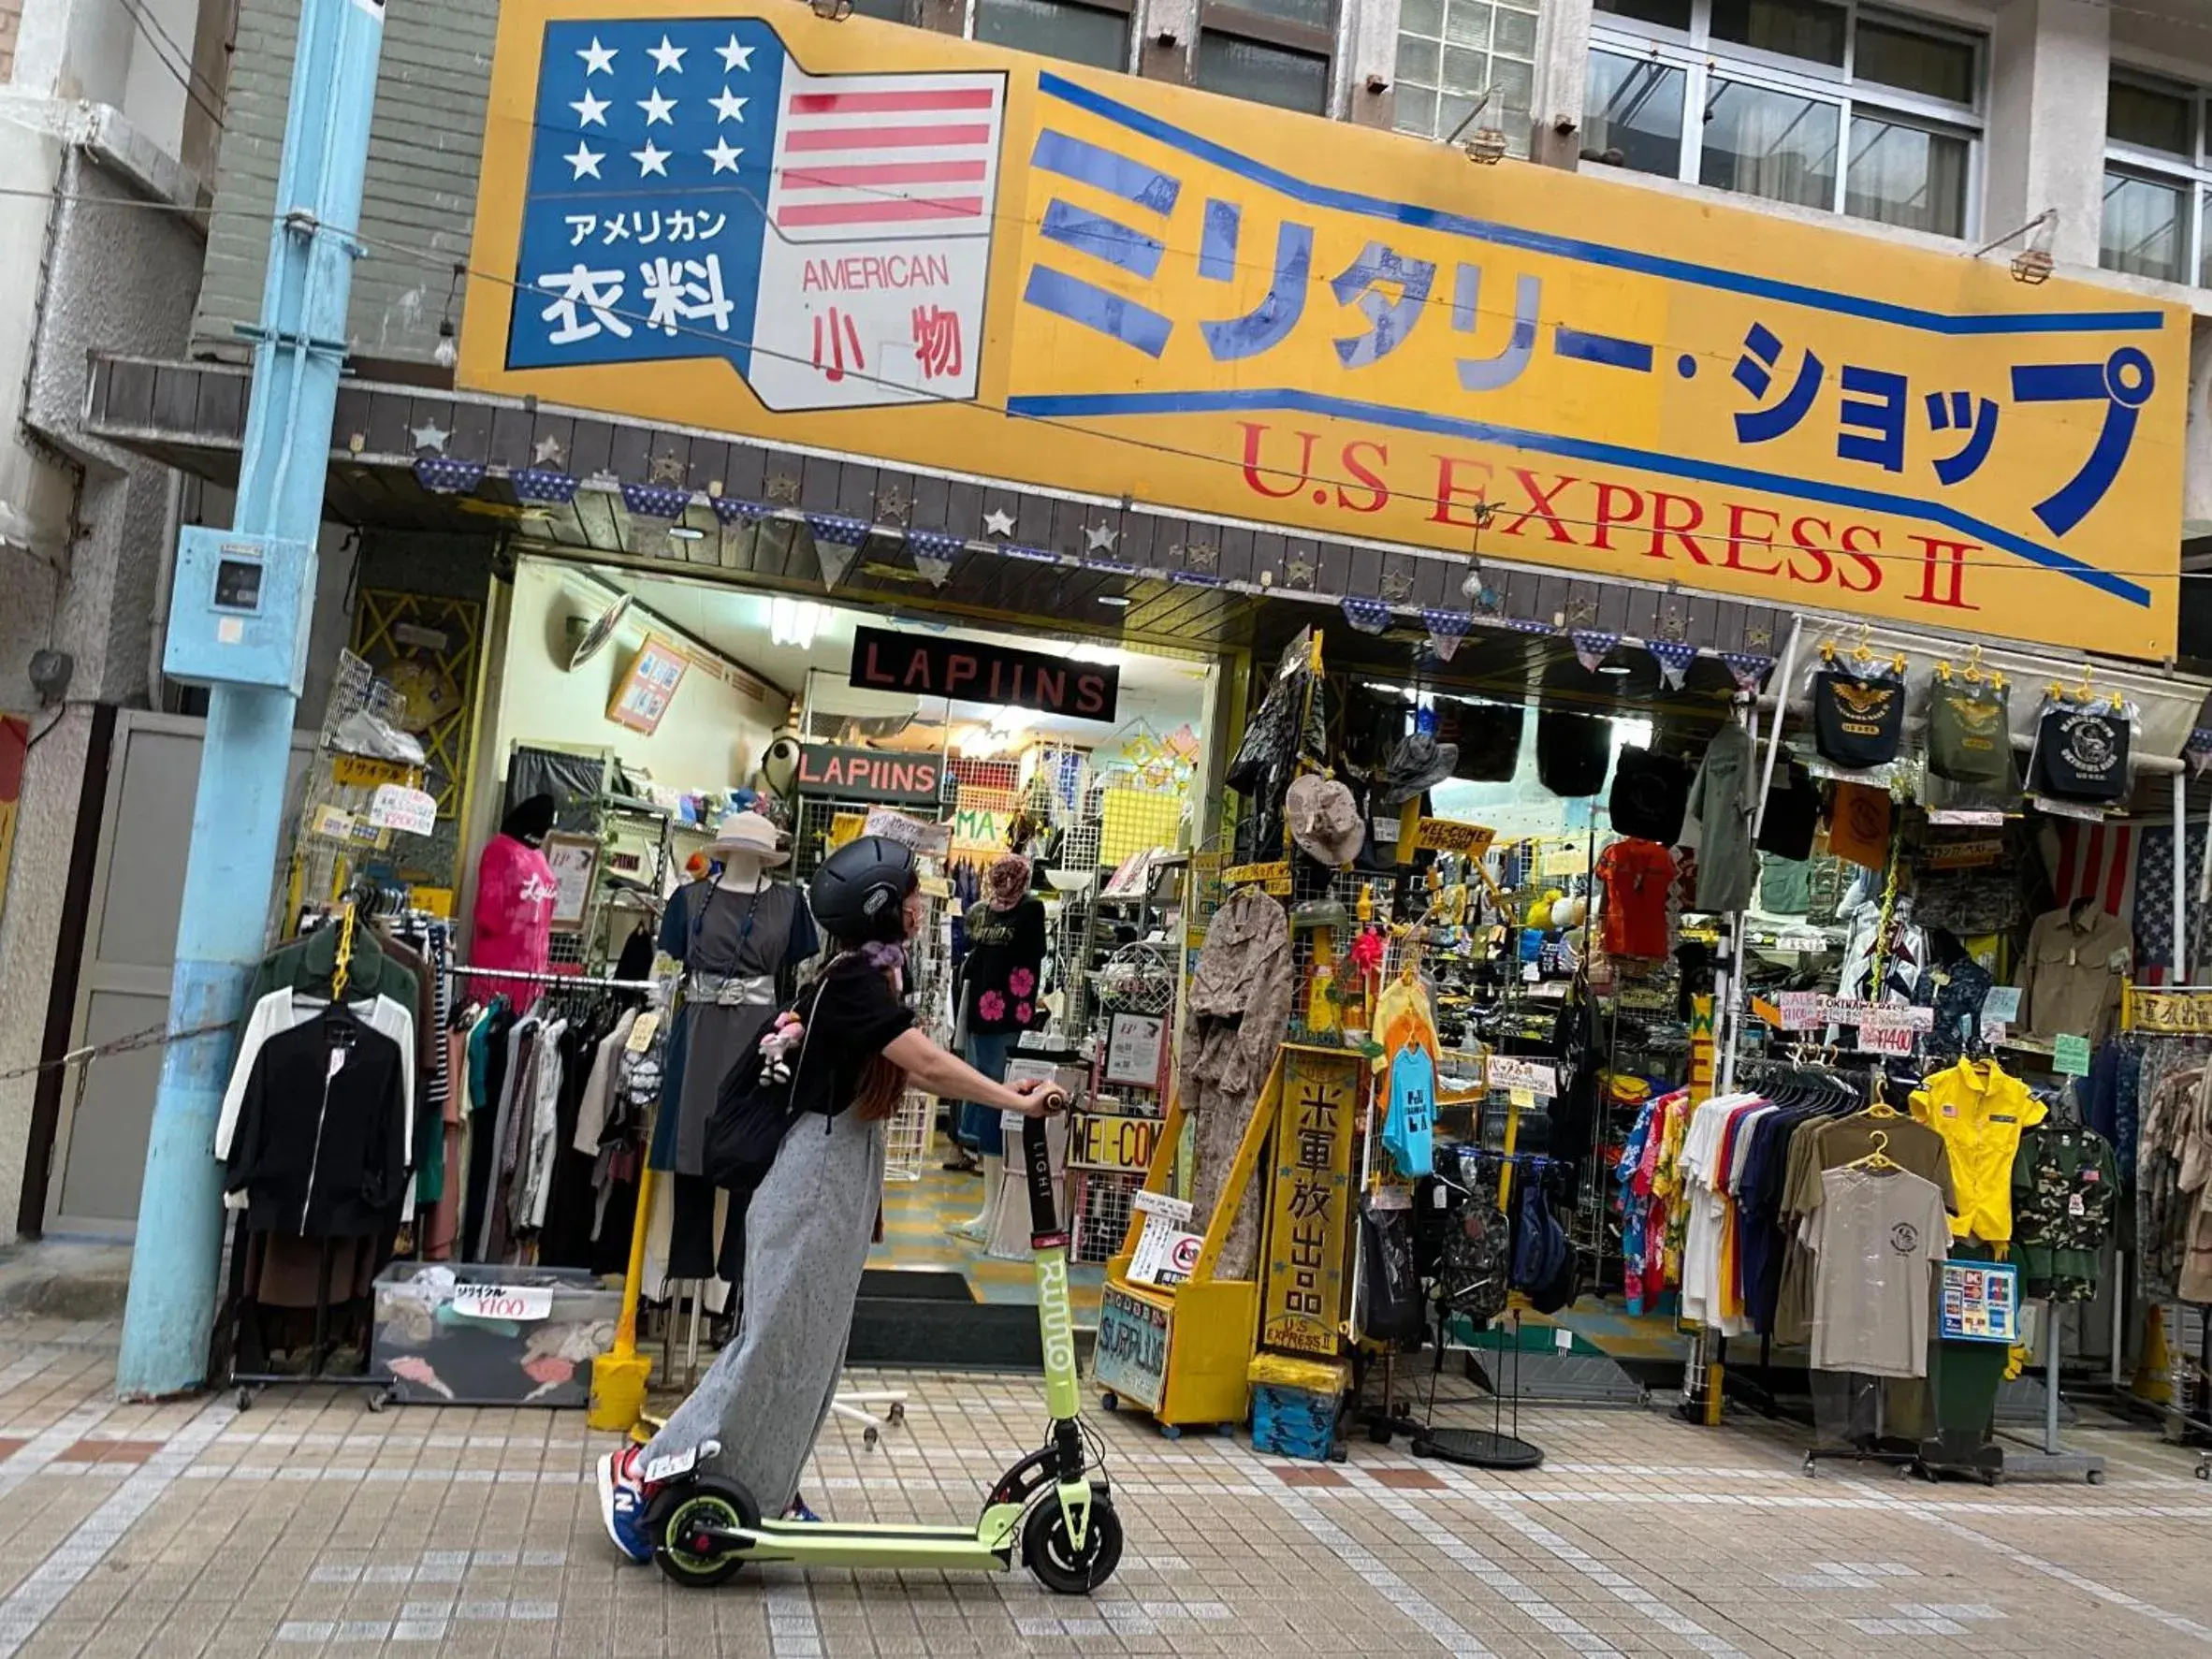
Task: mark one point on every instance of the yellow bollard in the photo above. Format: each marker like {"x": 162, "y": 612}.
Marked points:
{"x": 618, "y": 1378}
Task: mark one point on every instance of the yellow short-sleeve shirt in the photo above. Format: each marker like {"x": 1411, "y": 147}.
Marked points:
{"x": 1979, "y": 1109}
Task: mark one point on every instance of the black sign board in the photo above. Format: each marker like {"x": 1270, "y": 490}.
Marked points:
{"x": 927, "y": 665}
{"x": 869, "y": 775}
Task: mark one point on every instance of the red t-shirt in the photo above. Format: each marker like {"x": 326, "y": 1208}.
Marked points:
{"x": 1636, "y": 875}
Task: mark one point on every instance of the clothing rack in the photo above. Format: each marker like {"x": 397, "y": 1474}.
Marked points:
{"x": 579, "y": 981}
{"x": 249, "y": 1383}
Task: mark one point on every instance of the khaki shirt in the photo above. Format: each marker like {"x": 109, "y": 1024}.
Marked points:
{"x": 2070, "y": 976}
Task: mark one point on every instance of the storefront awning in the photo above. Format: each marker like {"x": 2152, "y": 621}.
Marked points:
{"x": 686, "y": 501}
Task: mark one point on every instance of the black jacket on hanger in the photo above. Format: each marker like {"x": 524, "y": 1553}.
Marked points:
{"x": 321, "y": 1145}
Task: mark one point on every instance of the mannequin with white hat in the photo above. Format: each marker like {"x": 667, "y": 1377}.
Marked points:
{"x": 742, "y": 937}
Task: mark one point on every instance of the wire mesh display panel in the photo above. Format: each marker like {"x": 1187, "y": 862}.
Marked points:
{"x": 332, "y": 837}
{"x": 1102, "y": 1203}
{"x": 905, "y": 1144}
{"x": 1339, "y": 941}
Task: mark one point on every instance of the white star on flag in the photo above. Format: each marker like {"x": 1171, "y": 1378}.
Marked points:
{"x": 666, "y": 57}
{"x": 729, "y": 107}
{"x": 597, "y": 58}
{"x": 734, "y": 56}
{"x": 657, "y": 109}
{"x": 723, "y": 156}
{"x": 650, "y": 160}
{"x": 585, "y": 160}
{"x": 592, "y": 111}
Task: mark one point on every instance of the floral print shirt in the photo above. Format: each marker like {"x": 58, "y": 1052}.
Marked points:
{"x": 1000, "y": 975}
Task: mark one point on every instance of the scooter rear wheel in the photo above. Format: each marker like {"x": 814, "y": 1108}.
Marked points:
{"x": 677, "y": 1514}
{"x": 1058, "y": 1563}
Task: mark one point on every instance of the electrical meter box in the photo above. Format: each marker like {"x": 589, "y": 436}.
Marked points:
{"x": 240, "y": 610}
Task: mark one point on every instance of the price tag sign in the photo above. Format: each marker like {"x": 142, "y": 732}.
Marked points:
{"x": 1800, "y": 1011}
{"x": 2070, "y": 1055}
{"x": 641, "y": 1034}
{"x": 2000, "y": 1003}
{"x": 394, "y": 806}
{"x": 1161, "y": 1204}
{"x": 1522, "y": 1099}
{"x": 1508, "y": 1072}
{"x": 1884, "y": 1040}
{"x": 502, "y": 1301}
{"x": 931, "y": 840}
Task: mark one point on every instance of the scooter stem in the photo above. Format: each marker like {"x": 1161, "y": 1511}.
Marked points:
{"x": 1048, "y": 1246}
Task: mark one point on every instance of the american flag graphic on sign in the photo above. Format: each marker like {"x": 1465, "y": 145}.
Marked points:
{"x": 862, "y": 154}
{"x": 694, "y": 193}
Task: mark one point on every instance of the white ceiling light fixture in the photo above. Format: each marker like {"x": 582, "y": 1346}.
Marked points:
{"x": 1119, "y": 600}
{"x": 794, "y": 622}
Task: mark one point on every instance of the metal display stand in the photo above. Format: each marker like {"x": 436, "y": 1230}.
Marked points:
{"x": 2053, "y": 1461}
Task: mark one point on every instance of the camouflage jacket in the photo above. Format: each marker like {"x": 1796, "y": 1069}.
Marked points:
{"x": 2066, "y": 1198}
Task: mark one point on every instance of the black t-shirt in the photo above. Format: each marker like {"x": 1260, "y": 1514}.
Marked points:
{"x": 853, "y": 1018}
{"x": 998, "y": 977}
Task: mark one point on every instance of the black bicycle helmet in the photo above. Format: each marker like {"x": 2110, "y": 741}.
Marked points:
{"x": 861, "y": 889}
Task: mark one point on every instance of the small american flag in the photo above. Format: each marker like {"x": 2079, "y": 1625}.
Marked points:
{"x": 857, "y": 154}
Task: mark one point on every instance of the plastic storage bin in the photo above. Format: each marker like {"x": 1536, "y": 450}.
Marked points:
{"x": 451, "y": 1333}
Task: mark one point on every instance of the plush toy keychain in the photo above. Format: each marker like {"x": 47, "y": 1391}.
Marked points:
{"x": 777, "y": 1041}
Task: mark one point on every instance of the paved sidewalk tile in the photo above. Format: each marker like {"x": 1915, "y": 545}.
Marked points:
{"x": 308, "y": 1525}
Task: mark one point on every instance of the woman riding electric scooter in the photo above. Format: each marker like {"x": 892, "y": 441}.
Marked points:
{"x": 811, "y": 1222}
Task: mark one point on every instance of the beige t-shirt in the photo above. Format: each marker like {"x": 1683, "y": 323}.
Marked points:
{"x": 1822, "y": 1146}
{"x": 1875, "y": 1235}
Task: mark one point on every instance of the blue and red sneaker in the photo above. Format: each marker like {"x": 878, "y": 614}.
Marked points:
{"x": 623, "y": 1497}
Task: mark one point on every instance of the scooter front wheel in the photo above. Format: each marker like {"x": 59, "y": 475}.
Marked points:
{"x": 680, "y": 1517}
{"x": 1053, "y": 1557}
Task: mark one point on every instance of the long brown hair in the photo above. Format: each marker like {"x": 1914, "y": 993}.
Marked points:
{"x": 884, "y": 1082}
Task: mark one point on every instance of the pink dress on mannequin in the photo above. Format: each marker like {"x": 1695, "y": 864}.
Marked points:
{"x": 515, "y": 897}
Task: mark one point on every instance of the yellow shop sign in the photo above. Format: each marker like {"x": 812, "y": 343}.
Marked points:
{"x": 881, "y": 241}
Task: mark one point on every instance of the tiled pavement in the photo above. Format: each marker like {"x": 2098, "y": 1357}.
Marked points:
{"x": 308, "y": 1524}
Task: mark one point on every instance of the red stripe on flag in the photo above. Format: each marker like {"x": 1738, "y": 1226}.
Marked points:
{"x": 2117, "y": 874}
{"x": 886, "y": 172}
{"x": 874, "y": 213}
{"x": 890, "y": 103}
{"x": 858, "y": 141}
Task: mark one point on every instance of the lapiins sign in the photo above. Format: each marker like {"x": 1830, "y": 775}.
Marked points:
{"x": 869, "y": 775}
{"x": 925, "y": 665}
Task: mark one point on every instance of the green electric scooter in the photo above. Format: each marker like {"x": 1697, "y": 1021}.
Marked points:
{"x": 706, "y": 1526}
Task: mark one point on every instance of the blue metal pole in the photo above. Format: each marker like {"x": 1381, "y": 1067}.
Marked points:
{"x": 231, "y": 866}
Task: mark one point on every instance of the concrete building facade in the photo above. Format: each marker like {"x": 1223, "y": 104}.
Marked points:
{"x": 2074, "y": 129}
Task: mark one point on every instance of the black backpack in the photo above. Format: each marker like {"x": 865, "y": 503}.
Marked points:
{"x": 753, "y": 1111}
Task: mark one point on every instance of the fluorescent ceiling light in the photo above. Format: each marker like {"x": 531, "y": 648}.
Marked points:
{"x": 1119, "y": 600}
{"x": 794, "y": 622}
{"x": 684, "y": 533}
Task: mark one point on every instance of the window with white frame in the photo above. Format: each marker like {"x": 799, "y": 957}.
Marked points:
{"x": 1453, "y": 52}
{"x": 2158, "y": 181}
{"x": 1835, "y": 104}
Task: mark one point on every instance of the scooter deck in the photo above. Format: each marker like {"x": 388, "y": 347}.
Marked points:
{"x": 826, "y": 1544}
